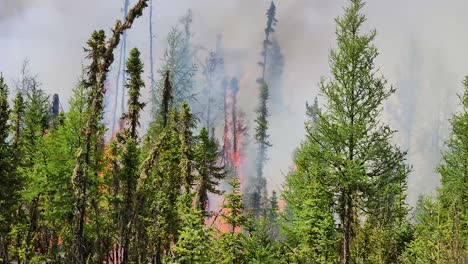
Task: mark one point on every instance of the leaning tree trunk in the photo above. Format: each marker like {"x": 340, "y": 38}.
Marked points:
{"x": 102, "y": 59}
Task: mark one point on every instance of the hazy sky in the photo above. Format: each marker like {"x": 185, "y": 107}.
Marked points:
{"x": 423, "y": 46}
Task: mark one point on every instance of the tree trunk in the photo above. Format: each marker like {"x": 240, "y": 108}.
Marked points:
{"x": 347, "y": 215}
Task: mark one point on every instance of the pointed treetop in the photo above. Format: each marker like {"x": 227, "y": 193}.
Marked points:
{"x": 271, "y": 19}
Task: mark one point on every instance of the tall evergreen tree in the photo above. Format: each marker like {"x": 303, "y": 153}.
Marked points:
{"x": 195, "y": 243}
{"x": 87, "y": 161}
{"x": 231, "y": 246}
{"x": 447, "y": 215}
{"x": 187, "y": 123}
{"x": 8, "y": 181}
{"x": 274, "y": 75}
{"x": 258, "y": 191}
{"x": 454, "y": 180}
{"x": 206, "y": 161}
{"x": 269, "y": 30}
{"x": 308, "y": 223}
{"x": 130, "y": 152}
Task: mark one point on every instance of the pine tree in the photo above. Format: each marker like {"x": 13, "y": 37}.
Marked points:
{"x": 206, "y": 161}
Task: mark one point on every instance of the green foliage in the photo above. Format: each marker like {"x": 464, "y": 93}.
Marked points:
{"x": 441, "y": 233}
{"x": 178, "y": 61}
{"x": 233, "y": 208}
{"x": 68, "y": 196}
{"x": 432, "y": 234}
{"x": 308, "y": 222}
{"x": 261, "y": 247}
{"x": 195, "y": 241}
{"x": 206, "y": 162}
{"x": 8, "y": 178}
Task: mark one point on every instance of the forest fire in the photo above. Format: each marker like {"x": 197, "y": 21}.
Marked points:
{"x": 120, "y": 177}
{"x": 233, "y": 156}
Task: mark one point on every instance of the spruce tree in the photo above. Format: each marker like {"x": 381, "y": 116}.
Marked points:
{"x": 206, "y": 161}
{"x": 269, "y": 30}
{"x": 261, "y": 136}
{"x": 233, "y": 206}
{"x": 130, "y": 152}
{"x": 448, "y": 214}
{"x": 308, "y": 223}
{"x": 37, "y": 116}
{"x": 195, "y": 243}
{"x": 187, "y": 123}
{"x": 8, "y": 180}
{"x": 17, "y": 120}
{"x": 231, "y": 247}
{"x": 454, "y": 181}
{"x": 89, "y": 156}
{"x": 257, "y": 190}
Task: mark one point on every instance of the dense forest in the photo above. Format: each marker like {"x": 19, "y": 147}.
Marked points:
{"x": 76, "y": 189}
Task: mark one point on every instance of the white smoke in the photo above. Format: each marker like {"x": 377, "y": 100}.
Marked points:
{"x": 52, "y": 34}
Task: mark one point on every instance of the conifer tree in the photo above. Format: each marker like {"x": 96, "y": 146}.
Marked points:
{"x": 448, "y": 214}
{"x": 178, "y": 60}
{"x": 130, "y": 153}
{"x": 234, "y": 207}
{"x": 164, "y": 185}
{"x": 37, "y": 116}
{"x": 101, "y": 56}
{"x": 257, "y": 190}
{"x": 195, "y": 241}
{"x": 206, "y": 161}
{"x": 269, "y": 30}
{"x": 352, "y": 145}
{"x": 8, "y": 181}
{"x": 454, "y": 176}
{"x": 261, "y": 136}
{"x": 17, "y": 120}
{"x": 308, "y": 221}
{"x": 274, "y": 75}
{"x": 187, "y": 123}
{"x": 231, "y": 247}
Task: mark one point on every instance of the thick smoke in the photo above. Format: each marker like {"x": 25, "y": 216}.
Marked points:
{"x": 422, "y": 45}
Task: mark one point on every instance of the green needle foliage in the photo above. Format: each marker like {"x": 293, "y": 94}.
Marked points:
{"x": 68, "y": 194}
